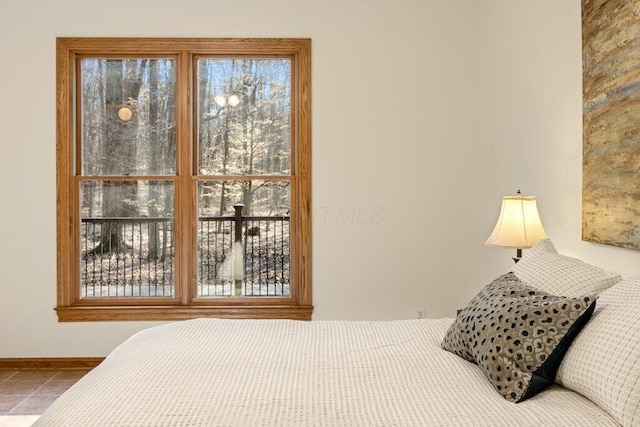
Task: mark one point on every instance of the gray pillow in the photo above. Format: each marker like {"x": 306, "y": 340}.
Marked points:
{"x": 517, "y": 334}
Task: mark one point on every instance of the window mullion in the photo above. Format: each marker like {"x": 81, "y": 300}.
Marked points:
{"x": 185, "y": 189}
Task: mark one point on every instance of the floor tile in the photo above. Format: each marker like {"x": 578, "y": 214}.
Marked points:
{"x": 72, "y": 374}
{"x": 26, "y": 394}
{"x": 34, "y": 405}
{"x": 20, "y": 388}
{"x": 42, "y": 376}
{"x": 7, "y": 403}
{"x": 55, "y": 386}
{"x": 6, "y": 374}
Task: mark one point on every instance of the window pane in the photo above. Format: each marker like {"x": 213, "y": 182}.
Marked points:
{"x": 128, "y": 116}
{"x": 254, "y": 259}
{"x": 244, "y": 116}
{"x": 126, "y": 239}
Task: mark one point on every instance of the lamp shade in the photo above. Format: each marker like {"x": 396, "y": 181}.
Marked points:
{"x": 519, "y": 224}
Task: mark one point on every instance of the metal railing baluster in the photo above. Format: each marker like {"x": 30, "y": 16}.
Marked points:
{"x": 112, "y": 246}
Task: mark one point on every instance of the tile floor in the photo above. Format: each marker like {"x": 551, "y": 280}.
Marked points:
{"x": 26, "y": 394}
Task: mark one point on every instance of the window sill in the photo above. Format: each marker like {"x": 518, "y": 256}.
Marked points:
{"x": 104, "y": 313}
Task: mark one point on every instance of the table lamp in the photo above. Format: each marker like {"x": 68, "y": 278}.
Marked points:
{"x": 518, "y": 225}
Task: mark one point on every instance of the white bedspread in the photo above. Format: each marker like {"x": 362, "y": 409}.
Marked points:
{"x": 212, "y": 372}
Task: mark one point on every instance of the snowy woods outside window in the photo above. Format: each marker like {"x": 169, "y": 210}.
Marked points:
{"x": 187, "y": 174}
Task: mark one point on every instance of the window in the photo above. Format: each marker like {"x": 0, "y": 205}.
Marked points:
{"x": 183, "y": 178}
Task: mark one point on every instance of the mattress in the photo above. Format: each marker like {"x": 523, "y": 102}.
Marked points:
{"x": 214, "y": 372}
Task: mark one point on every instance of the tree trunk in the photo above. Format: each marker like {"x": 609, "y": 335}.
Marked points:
{"x": 119, "y": 150}
{"x": 154, "y": 158}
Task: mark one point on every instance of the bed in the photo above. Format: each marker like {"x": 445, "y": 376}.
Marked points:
{"x": 216, "y": 372}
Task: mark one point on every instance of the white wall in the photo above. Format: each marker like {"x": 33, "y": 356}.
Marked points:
{"x": 535, "y": 117}
{"x": 425, "y": 113}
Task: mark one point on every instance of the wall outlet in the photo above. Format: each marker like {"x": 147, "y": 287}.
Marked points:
{"x": 419, "y": 313}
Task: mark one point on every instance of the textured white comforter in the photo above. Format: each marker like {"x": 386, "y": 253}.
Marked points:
{"x": 212, "y": 372}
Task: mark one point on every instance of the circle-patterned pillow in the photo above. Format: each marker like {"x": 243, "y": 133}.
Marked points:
{"x": 517, "y": 334}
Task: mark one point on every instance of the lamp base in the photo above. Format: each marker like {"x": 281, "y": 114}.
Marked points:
{"x": 518, "y": 256}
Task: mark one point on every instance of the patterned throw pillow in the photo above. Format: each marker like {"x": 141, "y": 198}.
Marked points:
{"x": 545, "y": 269}
{"x": 517, "y": 334}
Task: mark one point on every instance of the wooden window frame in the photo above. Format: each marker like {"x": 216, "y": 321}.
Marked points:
{"x": 186, "y": 304}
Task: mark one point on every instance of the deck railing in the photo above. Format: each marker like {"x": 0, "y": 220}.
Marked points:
{"x": 265, "y": 255}
{"x": 134, "y": 257}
